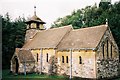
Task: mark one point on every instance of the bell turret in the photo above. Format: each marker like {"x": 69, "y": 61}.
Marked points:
{"x": 34, "y": 25}
{"x": 35, "y": 22}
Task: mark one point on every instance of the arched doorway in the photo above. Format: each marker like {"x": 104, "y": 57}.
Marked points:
{"x": 16, "y": 64}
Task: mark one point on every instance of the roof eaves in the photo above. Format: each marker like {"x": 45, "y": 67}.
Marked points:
{"x": 77, "y": 49}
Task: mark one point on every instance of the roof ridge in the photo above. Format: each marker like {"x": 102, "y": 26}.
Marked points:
{"x": 67, "y": 26}
{"x": 90, "y": 27}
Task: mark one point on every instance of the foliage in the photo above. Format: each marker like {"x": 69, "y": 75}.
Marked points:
{"x": 75, "y": 19}
{"x": 114, "y": 22}
{"x": 104, "y": 5}
{"x": 12, "y": 36}
{"x": 52, "y": 67}
{"x": 92, "y": 16}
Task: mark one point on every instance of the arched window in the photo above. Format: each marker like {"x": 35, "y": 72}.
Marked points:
{"x": 103, "y": 50}
{"x": 107, "y": 49}
{"x": 62, "y": 59}
{"x": 111, "y": 50}
{"x": 47, "y": 58}
{"x": 80, "y": 60}
{"x": 37, "y": 57}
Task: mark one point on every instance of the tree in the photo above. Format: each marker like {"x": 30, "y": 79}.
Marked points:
{"x": 74, "y": 19}
{"x": 105, "y": 4}
{"x": 52, "y": 65}
{"x": 114, "y": 22}
{"x": 12, "y": 36}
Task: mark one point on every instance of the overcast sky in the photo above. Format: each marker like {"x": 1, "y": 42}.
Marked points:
{"x": 47, "y": 10}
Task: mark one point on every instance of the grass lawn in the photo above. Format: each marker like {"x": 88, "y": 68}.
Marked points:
{"x": 6, "y": 75}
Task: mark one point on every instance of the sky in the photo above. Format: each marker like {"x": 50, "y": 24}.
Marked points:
{"x": 47, "y": 10}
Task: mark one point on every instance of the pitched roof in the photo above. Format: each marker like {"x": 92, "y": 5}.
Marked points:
{"x": 48, "y": 38}
{"x": 25, "y": 55}
{"x": 83, "y": 38}
{"x": 34, "y": 18}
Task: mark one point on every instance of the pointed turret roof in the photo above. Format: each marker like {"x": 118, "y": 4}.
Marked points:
{"x": 35, "y": 18}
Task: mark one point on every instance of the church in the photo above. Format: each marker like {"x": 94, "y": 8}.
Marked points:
{"x": 87, "y": 52}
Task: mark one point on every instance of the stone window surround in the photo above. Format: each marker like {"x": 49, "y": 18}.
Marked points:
{"x": 107, "y": 50}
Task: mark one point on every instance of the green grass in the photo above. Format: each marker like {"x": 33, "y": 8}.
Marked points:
{"x": 6, "y": 75}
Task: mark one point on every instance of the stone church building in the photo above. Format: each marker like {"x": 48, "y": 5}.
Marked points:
{"x": 87, "y": 52}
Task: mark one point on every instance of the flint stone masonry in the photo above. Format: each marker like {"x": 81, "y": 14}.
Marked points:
{"x": 107, "y": 68}
{"x": 30, "y": 67}
{"x": 30, "y": 34}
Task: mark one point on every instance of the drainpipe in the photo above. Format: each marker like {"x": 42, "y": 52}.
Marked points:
{"x": 70, "y": 64}
{"x": 41, "y": 61}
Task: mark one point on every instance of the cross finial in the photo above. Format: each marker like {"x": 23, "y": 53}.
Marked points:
{"x": 34, "y": 10}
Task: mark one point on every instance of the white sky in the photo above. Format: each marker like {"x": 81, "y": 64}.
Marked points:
{"x": 47, "y": 10}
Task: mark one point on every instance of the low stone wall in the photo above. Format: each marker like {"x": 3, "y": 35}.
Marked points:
{"x": 30, "y": 67}
{"x": 107, "y": 68}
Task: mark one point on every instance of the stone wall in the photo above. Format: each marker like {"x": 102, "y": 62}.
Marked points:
{"x": 30, "y": 67}
{"x": 107, "y": 63}
{"x": 107, "y": 68}
{"x": 30, "y": 34}
{"x": 85, "y": 70}
{"x": 45, "y": 65}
